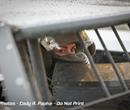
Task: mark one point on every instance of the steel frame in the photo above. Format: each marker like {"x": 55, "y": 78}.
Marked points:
{"x": 73, "y": 25}
{"x": 11, "y": 62}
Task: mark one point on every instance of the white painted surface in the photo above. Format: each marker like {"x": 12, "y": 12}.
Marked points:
{"x": 29, "y": 12}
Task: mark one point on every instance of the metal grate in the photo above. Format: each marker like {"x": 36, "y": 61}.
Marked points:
{"x": 9, "y": 52}
{"x": 109, "y": 96}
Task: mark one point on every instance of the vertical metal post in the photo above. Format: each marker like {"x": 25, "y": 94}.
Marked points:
{"x": 39, "y": 68}
{"x": 31, "y": 77}
{"x": 120, "y": 41}
{"x": 18, "y": 87}
{"x": 98, "y": 76}
{"x": 119, "y": 76}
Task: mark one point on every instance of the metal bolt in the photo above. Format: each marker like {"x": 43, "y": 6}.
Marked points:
{"x": 19, "y": 81}
{"x": 9, "y": 46}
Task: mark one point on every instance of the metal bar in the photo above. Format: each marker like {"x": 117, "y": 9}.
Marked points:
{"x": 98, "y": 76}
{"x": 74, "y": 25}
{"x": 31, "y": 77}
{"x": 38, "y": 68}
{"x": 120, "y": 41}
{"x": 117, "y": 72}
{"x": 99, "y": 101}
{"x": 18, "y": 88}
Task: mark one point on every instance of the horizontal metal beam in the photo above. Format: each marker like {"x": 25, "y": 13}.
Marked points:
{"x": 99, "y": 101}
{"x": 71, "y": 26}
